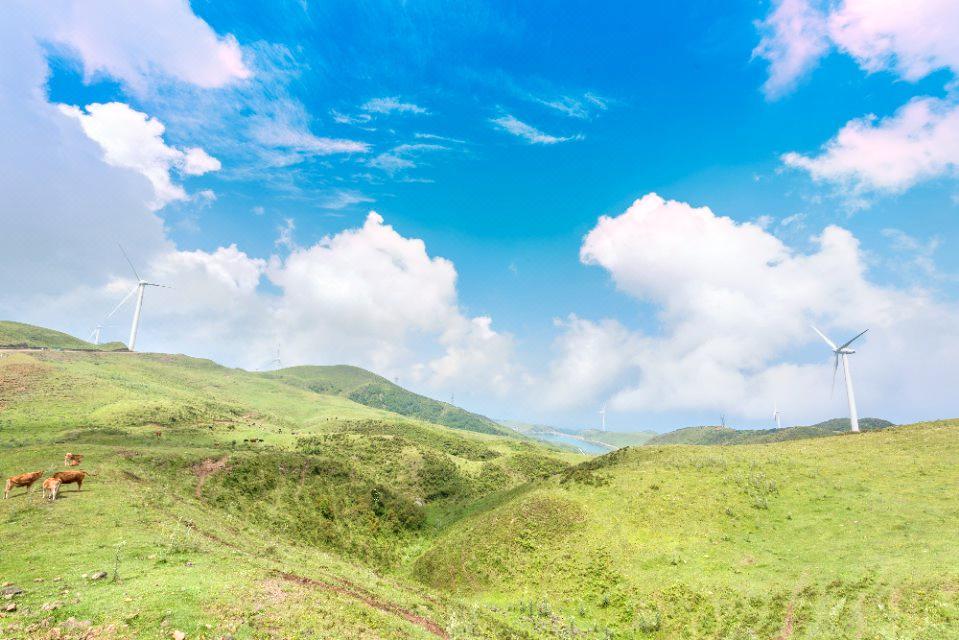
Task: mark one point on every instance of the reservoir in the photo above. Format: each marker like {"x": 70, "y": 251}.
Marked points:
{"x": 559, "y": 438}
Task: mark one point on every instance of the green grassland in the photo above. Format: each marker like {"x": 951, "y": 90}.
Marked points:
{"x": 728, "y": 435}
{"x": 269, "y": 509}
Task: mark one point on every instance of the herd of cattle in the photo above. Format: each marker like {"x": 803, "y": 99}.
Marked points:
{"x": 51, "y": 486}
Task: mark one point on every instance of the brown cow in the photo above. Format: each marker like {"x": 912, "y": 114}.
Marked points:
{"x": 72, "y": 460}
{"x": 51, "y": 486}
{"x": 69, "y": 477}
{"x": 22, "y": 480}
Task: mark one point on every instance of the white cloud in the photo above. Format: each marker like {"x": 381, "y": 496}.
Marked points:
{"x": 391, "y": 104}
{"x": 733, "y": 304}
{"x": 511, "y": 125}
{"x": 590, "y": 361}
{"x": 919, "y": 142}
{"x": 793, "y": 41}
{"x": 133, "y": 140}
{"x": 910, "y": 39}
{"x": 913, "y": 39}
{"x": 137, "y": 41}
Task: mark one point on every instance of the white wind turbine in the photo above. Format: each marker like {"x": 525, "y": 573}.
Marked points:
{"x": 602, "y": 412}
{"x": 777, "y": 416}
{"x": 95, "y": 334}
{"x": 141, "y": 285}
{"x": 843, "y": 352}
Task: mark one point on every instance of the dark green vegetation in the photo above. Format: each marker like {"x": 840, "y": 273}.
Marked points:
{"x": 16, "y": 335}
{"x": 728, "y": 435}
{"x": 375, "y": 391}
{"x": 265, "y": 509}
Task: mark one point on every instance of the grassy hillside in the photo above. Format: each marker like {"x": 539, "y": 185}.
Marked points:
{"x": 16, "y": 335}
{"x": 261, "y": 509}
{"x": 372, "y": 390}
{"x": 728, "y": 435}
{"x": 772, "y": 541}
{"x": 264, "y": 509}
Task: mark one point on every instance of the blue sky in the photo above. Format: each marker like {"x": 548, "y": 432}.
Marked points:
{"x": 498, "y": 135}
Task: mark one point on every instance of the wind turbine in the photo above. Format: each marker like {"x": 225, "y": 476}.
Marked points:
{"x": 777, "y": 415}
{"x": 96, "y": 334}
{"x": 843, "y": 352}
{"x": 602, "y": 412}
{"x": 138, "y": 289}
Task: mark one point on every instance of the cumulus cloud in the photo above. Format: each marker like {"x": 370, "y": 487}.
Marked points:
{"x": 911, "y": 40}
{"x": 131, "y": 41}
{"x": 133, "y": 140}
{"x": 919, "y": 142}
{"x": 510, "y": 124}
{"x": 869, "y": 154}
{"x": 733, "y": 303}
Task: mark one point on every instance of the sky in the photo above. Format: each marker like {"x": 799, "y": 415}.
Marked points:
{"x": 538, "y": 210}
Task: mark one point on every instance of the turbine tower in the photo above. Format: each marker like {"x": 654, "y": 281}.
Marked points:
{"x": 777, "y": 416}
{"x": 602, "y": 412}
{"x": 96, "y": 334}
{"x": 139, "y": 289}
{"x": 843, "y": 352}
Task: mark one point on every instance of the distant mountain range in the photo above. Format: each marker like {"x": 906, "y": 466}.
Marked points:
{"x": 728, "y": 435}
{"x": 698, "y": 435}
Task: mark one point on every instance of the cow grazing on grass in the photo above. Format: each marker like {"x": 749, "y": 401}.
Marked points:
{"x": 72, "y": 460}
{"x": 51, "y": 486}
{"x": 70, "y": 477}
{"x": 22, "y": 480}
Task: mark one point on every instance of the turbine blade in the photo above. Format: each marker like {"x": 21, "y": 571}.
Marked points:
{"x": 853, "y": 340}
{"x": 154, "y": 284}
{"x": 122, "y": 302}
{"x": 832, "y": 345}
{"x": 129, "y": 262}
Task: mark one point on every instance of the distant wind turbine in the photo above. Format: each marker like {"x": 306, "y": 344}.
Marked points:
{"x": 843, "y": 352}
{"x": 138, "y": 289}
{"x": 777, "y": 416}
{"x": 602, "y": 412}
{"x": 96, "y": 334}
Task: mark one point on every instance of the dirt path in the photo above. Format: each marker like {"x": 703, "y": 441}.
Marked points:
{"x": 365, "y": 597}
{"x": 207, "y": 468}
{"x": 343, "y": 587}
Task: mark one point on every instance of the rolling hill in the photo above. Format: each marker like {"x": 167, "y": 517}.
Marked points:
{"x": 231, "y": 503}
{"x": 728, "y": 435}
{"x": 375, "y": 391}
{"x": 17, "y": 335}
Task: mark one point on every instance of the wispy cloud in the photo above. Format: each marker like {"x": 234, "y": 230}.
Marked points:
{"x": 391, "y": 104}
{"x": 510, "y": 124}
{"x": 343, "y": 118}
{"x": 401, "y": 157}
{"x": 343, "y": 198}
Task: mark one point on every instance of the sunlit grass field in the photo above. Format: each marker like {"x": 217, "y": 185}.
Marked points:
{"x": 264, "y": 509}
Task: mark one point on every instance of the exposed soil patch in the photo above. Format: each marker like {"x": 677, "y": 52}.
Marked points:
{"x": 787, "y": 631}
{"x": 17, "y": 378}
{"x": 351, "y": 591}
{"x": 207, "y": 468}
